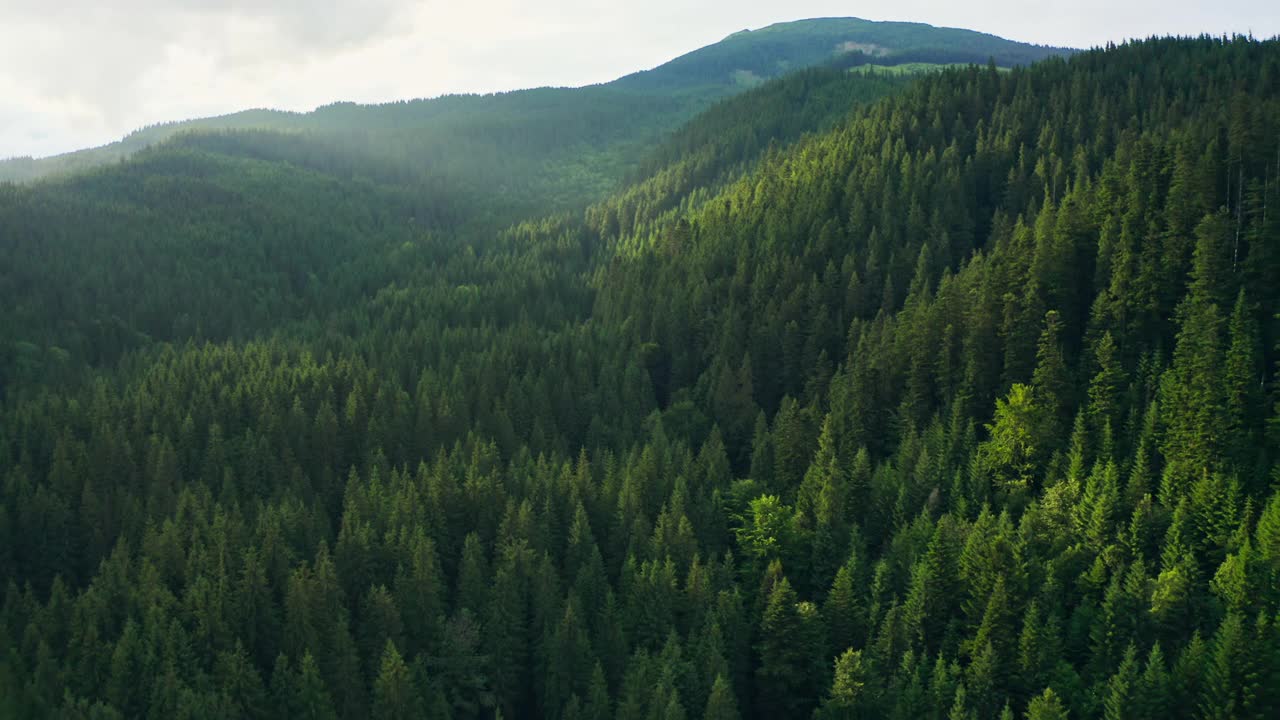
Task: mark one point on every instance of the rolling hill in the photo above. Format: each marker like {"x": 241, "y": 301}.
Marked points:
{"x": 559, "y": 146}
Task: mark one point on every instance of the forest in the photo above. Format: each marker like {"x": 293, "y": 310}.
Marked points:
{"x": 947, "y": 395}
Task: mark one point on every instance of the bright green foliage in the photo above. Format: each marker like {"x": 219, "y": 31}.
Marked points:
{"x": 1011, "y": 455}
{"x": 847, "y": 688}
{"x": 960, "y": 708}
{"x": 1047, "y": 706}
{"x": 766, "y": 533}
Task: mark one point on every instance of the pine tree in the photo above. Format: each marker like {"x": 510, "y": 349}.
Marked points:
{"x": 1151, "y": 693}
{"x": 847, "y": 688}
{"x": 790, "y": 641}
{"x": 1105, "y": 387}
{"x": 566, "y": 657}
{"x": 507, "y": 635}
{"x": 762, "y": 461}
{"x": 1188, "y": 679}
{"x": 1265, "y": 555}
{"x": 419, "y": 590}
{"x": 823, "y": 498}
{"x": 1046, "y": 706}
{"x": 597, "y": 706}
{"x": 394, "y": 693}
{"x": 474, "y": 576}
{"x": 1122, "y": 688}
{"x": 842, "y": 612}
{"x": 721, "y": 703}
{"x": 671, "y": 709}
{"x": 309, "y": 698}
{"x": 791, "y": 447}
{"x": 1011, "y": 455}
{"x": 1226, "y": 688}
{"x": 1243, "y": 400}
{"x": 380, "y": 624}
{"x": 1051, "y": 383}
{"x": 960, "y": 709}
{"x": 241, "y": 683}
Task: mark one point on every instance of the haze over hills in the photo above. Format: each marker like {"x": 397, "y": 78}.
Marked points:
{"x": 607, "y": 124}
{"x": 727, "y": 391}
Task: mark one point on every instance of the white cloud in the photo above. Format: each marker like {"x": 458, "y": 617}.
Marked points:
{"x": 75, "y": 73}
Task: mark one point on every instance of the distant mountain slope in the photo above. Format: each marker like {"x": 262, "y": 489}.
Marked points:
{"x": 753, "y": 55}
{"x": 146, "y": 249}
{"x": 181, "y": 243}
{"x": 536, "y": 148}
{"x": 569, "y": 145}
{"x": 730, "y": 137}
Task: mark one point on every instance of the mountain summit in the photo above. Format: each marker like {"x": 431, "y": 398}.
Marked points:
{"x": 753, "y": 55}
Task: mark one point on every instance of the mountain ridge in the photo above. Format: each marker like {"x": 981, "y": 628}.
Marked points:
{"x": 795, "y": 45}
{"x": 813, "y": 41}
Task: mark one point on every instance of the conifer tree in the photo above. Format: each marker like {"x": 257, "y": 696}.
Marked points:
{"x": 309, "y": 698}
{"x": 847, "y": 688}
{"x": 721, "y": 703}
{"x": 394, "y": 693}
{"x": 1050, "y": 382}
{"x": 790, "y": 642}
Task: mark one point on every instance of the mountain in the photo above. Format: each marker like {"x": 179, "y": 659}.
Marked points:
{"x": 861, "y": 396}
{"x": 561, "y": 146}
{"x": 176, "y": 226}
{"x": 749, "y": 56}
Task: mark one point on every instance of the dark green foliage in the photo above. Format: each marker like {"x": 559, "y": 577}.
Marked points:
{"x": 956, "y": 407}
{"x": 789, "y": 648}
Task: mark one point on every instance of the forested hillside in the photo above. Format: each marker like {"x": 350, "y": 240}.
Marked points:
{"x": 551, "y": 149}
{"x": 755, "y": 55}
{"x": 227, "y": 235}
{"x": 952, "y": 396}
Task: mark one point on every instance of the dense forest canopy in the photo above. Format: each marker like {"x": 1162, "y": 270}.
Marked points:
{"x": 864, "y": 395}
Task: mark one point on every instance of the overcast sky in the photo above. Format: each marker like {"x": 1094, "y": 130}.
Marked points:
{"x": 78, "y": 73}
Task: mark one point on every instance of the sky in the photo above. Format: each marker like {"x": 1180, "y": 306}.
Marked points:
{"x": 80, "y": 73}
